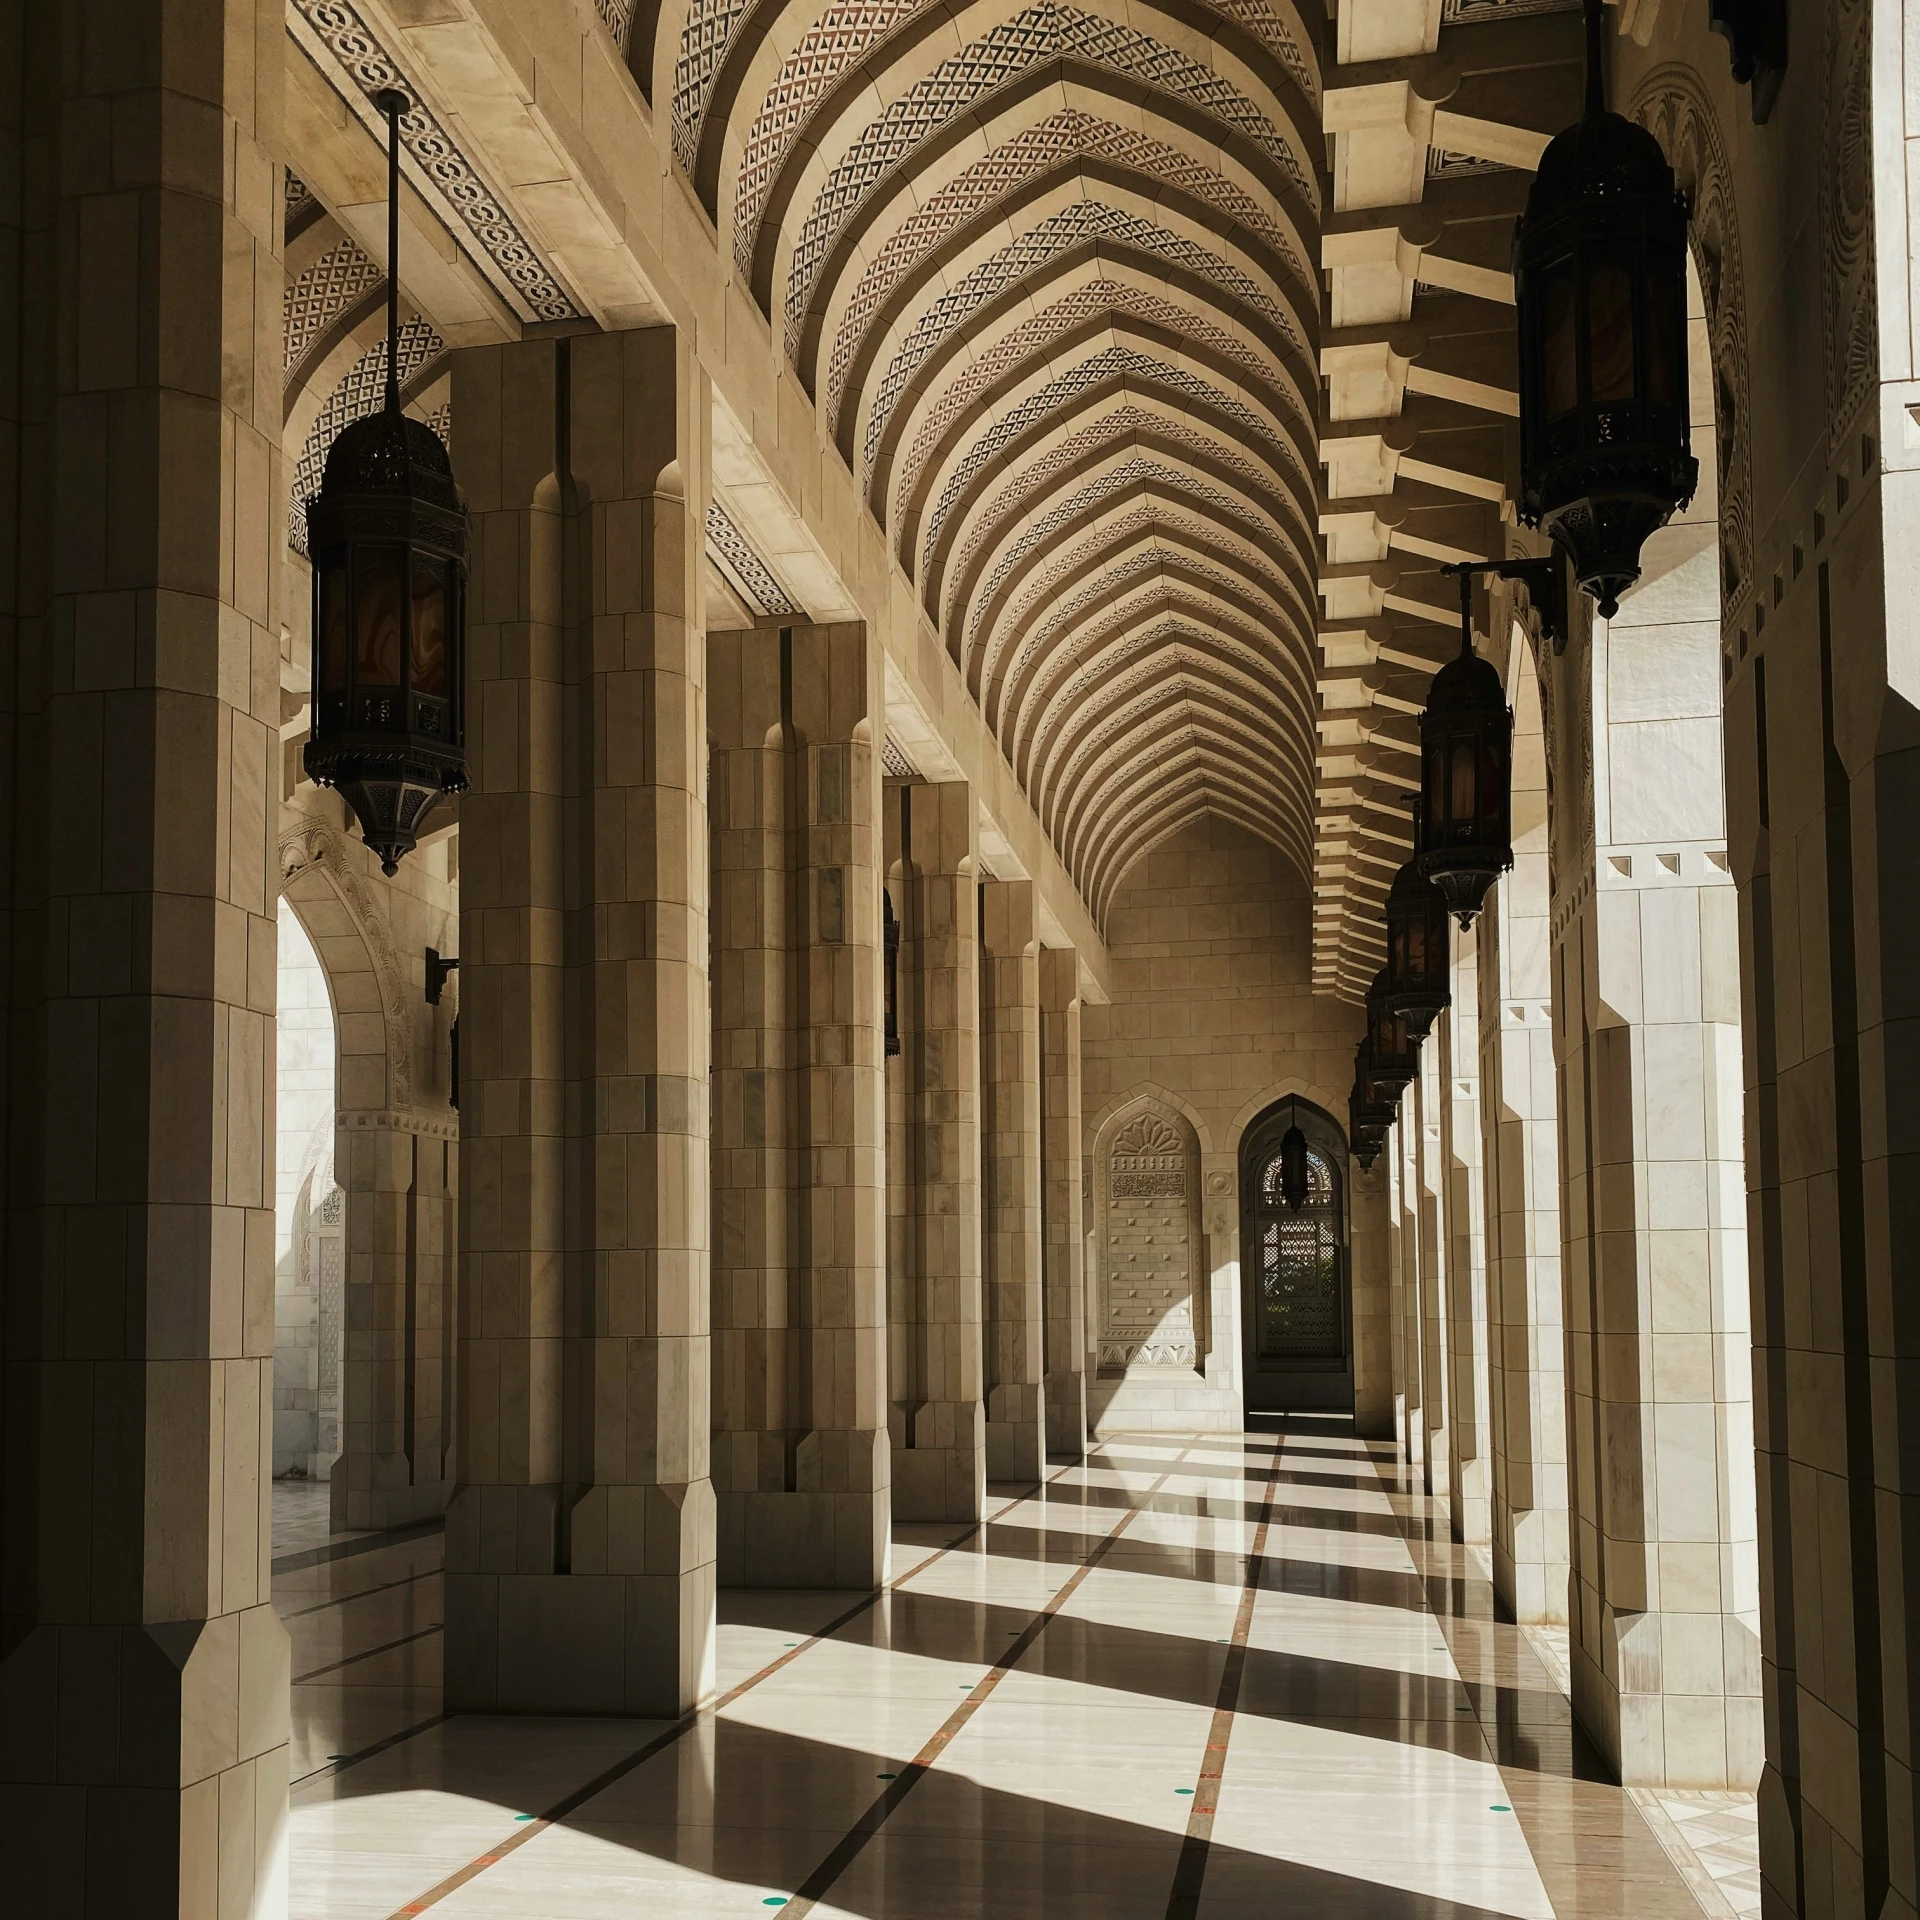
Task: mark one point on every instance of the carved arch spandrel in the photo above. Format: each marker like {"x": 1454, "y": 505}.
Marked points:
{"x": 1150, "y": 1280}
{"x": 1673, "y": 106}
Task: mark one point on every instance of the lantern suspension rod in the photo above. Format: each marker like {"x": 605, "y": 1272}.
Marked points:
{"x": 393, "y": 103}
{"x": 1596, "y": 102}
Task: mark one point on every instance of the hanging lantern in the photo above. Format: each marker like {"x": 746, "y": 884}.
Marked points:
{"x": 1600, "y": 279}
{"x": 1293, "y": 1165}
{"x": 1417, "y": 950}
{"x": 388, "y": 539}
{"x": 1466, "y": 758}
{"x": 890, "y": 950}
{"x": 1370, "y": 1108}
{"x": 1393, "y": 1054}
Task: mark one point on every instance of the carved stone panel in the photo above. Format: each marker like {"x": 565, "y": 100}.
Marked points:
{"x": 1149, "y": 1319}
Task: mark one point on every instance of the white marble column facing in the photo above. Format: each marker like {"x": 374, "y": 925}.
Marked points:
{"x": 1422, "y": 1103}
{"x": 801, "y": 1475}
{"x": 1519, "y": 1122}
{"x": 143, "y": 1670}
{"x": 1062, "y": 1226}
{"x": 1455, "y": 1041}
{"x": 1665, "y": 1650}
{"x": 1015, "y": 1340}
{"x": 580, "y": 1546}
{"x": 939, "y": 1437}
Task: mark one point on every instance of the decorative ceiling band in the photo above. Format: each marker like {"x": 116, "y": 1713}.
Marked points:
{"x": 746, "y": 572}
{"x": 361, "y": 68}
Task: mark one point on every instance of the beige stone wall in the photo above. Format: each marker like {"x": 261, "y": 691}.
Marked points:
{"x": 1213, "y": 1018}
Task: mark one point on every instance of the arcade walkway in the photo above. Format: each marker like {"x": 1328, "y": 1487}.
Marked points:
{"x": 1224, "y": 1678}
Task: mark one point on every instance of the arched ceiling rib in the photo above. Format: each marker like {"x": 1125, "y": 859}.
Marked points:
{"x": 1051, "y": 273}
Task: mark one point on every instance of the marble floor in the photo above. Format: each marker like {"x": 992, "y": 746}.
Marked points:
{"x": 1207, "y": 1678}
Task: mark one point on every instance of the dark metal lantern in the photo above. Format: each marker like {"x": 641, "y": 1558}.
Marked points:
{"x": 1466, "y": 766}
{"x": 890, "y": 979}
{"x": 1417, "y": 950}
{"x": 1370, "y": 1107}
{"x": 1600, "y": 279}
{"x": 387, "y": 536}
{"x": 1393, "y": 1054}
{"x": 1293, "y": 1166}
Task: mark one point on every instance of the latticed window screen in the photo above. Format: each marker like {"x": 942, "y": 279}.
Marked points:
{"x": 1299, "y": 1275}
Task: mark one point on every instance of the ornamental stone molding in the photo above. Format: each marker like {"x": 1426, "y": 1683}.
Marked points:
{"x": 1849, "y": 304}
{"x": 1672, "y": 105}
{"x": 351, "y": 55}
{"x": 313, "y": 847}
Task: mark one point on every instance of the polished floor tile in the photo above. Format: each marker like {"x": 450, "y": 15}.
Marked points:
{"x": 1206, "y": 1677}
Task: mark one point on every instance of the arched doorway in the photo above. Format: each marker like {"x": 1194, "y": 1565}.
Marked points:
{"x": 1296, "y": 1291}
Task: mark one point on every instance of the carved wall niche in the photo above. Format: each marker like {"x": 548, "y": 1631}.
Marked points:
{"x": 1151, "y": 1298}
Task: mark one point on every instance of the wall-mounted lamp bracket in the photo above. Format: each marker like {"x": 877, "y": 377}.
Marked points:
{"x": 438, "y": 967}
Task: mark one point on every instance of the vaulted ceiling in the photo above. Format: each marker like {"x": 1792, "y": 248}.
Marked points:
{"x": 1169, "y": 344}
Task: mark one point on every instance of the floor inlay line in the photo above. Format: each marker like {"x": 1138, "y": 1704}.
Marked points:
{"x": 352, "y": 1659}
{"x": 857, "y": 1838}
{"x": 1183, "y": 1902}
{"x": 348, "y": 1549}
{"x": 344, "y": 1599}
{"x": 678, "y": 1729}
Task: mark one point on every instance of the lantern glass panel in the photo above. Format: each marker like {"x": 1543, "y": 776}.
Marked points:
{"x": 1560, "y": 351}
{"x": 1610, "y": 330}
{"x": 427, "y": 630}
{"x": 332, "y": 663}
{"x": 1493, "y": 778}
{"x": 377, "y": 610}
{"x": 1436, "y": 793}
{"x": 1463, "y": 798}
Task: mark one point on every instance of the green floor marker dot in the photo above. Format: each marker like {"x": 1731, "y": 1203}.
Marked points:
{"x": 886, "y": 1776}
{"x": 776, "y": 1900}
{"x": 1497, "y": 1808}
{"x": 1183, "y": 1789}
{"x": 526, "y": 1816}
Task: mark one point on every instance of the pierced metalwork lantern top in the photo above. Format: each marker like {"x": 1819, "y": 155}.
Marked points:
{"x": 1466, "y": 754}
{"x": 1418, "y": 987}
{"x": 387, "y": 537}
{"x": 1393, "y": 1054}
{"x": 1600, "y": 280}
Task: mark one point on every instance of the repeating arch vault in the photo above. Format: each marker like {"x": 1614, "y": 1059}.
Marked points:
{"x": 1051, "y": 274}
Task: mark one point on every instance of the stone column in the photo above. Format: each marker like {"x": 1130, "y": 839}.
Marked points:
{"x": 1421, "y": 1104}
{"x": 939, "y": 1435}
{"x": 1404, "y": 1245}
{"x": 1519, "y": 1123}
{"x": 580, "y": 1543}
{"x": 1456, "y": 1043}
{"x": 143, "y": 1671}
{"x": 802, "y": 1480}
{"x": 1063, "y": 1231}
{"x": 1665, "y": 1650}
{"x": 1010, "y": 1183}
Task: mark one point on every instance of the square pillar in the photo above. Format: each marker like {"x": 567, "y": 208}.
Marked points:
{"x": 938, "y": 1420}
{"x": 1062, "y": 1202}
{"x": 580, "y": 1542}
{"x": 143, "y": 1670}
{"x": 801, "y": 1456}
{"x": 1010, "y": 1166}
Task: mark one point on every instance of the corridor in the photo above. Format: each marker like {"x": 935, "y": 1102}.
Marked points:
{"x": 1215, "y": 1677}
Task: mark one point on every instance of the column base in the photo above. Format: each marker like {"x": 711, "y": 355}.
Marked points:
{"x": 638, "y": 1644}
{"x": 357, "y": 1508}
{"x": 1016, "y": 1451}
{"x": 1067, "y": 1415}
{"x": 836, "y": 1540}
{"x": 943, "y": 1474}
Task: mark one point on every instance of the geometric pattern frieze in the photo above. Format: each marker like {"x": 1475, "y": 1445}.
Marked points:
{"x": 1061, "y": 231}
{"x": 958, "y": 84}
{"x": 1110, "y": 363}
{"x": 842, "y": 34}
{"x": 322, "y": 291}
{"x": 735, "y": 554}
{"x": 1227, "y": 508}
{"x": 1030, "y": 153}
{"x": 1013, "y": 500}
{"x": 358, "y": 57}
